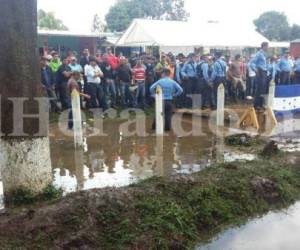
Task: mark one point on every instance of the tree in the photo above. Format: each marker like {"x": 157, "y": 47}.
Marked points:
{"x": 98, "y": 26}
{"x": 123, "y": 12}
{"x": 25, "y": 154}
{"x": 295, "y": 32}
{"x": 273, "y": 25}
{"x": 47, "y": 20}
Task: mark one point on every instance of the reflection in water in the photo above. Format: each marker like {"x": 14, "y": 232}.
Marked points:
{"x": 275, "y": 231}
{"x": 117, "y": 160}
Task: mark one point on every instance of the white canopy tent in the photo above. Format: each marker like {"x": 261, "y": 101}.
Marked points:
{"x": 185, "y": 36}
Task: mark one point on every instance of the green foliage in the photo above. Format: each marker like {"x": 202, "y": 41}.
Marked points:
{"x": 23, "y": 196}
{"x": 295, "y": 32}
{"x": 124, "y": 11}
{"x": 47, "y": 20}
{"x": 275, "y": 26}
{"x": 242, "y": 140}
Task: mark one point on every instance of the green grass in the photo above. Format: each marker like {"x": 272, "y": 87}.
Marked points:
{"x": 162, "y": 213}
{"x": 23, "y": 196}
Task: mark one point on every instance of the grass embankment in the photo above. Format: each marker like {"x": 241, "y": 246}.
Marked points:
{"x": 159, "y": 213}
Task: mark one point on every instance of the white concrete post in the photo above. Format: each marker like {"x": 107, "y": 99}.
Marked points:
{"x": 77, "y": 121}
{"x": 271, "y": 95}
{"x": 159, "y": 114}
{"x": 220, "y": 105}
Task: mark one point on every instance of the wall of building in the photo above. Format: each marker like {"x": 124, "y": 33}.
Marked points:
{"x": 295, "y": 49}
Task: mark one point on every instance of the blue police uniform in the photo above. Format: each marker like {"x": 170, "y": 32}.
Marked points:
{"x": 259, "y": 65}
{"x": 285, "y": 69}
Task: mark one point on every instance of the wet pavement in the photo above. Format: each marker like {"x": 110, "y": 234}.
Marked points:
{"x": 275, "y": 231}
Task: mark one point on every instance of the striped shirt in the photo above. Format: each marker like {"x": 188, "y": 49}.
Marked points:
{"x": 139, "y": 73}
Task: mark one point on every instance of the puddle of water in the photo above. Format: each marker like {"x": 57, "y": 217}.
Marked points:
{"x": 275, "y": 231}
{"x": 118, "y": 161}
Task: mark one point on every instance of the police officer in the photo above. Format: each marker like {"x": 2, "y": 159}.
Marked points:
{"x": 285, "y": 69}
{"x": 297, "y": 71}
{"x": 218, "y": 74}
{"x": 259, "y": 65}
{"x": 179, "y": 78}
{"x": 189, "y": 74}
{"x": 204, "y": 72}
{"x": 170, "y": 89}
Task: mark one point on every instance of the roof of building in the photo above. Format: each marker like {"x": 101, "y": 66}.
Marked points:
{"x": 144, "y": 32}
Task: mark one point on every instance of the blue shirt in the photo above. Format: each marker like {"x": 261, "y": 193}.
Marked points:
{"x": 218, "y": 69}
{"x": 169, "y": 87}
{"x": 46, "y": 78}
{"x": 259, "y": 61}
{"x": 76, "y": 68}
{"x": 272, "y": 70}
{"x": 178, "y": 75}
{"x": 189, "y": 69}
{"x": 284, "y": 65}
{"x": 205, "y": 71}
{"x": 297, "y": 65}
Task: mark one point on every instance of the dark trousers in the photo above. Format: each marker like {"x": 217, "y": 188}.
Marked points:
{"x": 297, "y": 77}
{"x": 126, "y": 96}
{"x": 52, "y": 99}
{"x": 140, "y": 94}
{"x": 207, "y": 94}
{"x": 110, "y": 90}
{"x": 261, "y": 88}
{"x": 191, "y": 87}
{"x": 98, "y": 97}
{"x": 168, "y": 112}
{"x": 285, "y": 78}
{"x": 64, "y": 95}
{"x": 250, "y": 89}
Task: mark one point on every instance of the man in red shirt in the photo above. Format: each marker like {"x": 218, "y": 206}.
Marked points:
{"x": 139, "y": 77}
{"x": 112, "y": 59}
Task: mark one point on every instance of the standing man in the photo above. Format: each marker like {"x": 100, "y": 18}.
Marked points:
{"x": 170, "y": 89}
{"x": 259, "y": 65}
{"x": 297, "y": 70}
{"x": 112, "y": 59}
{"x": 189, "y": 73}
{"x": 55, "y": 62}
{"x": 237, "y": 76}
{"x": 123, "y": 73}
{"x": 203, "y": 71}
{"x": 251, "y": 76}
{"x": 218, "y": 74}
{"x": 139, "y": 77}
{"x": 150, "y": 74}
{"x": 285, "y": 69}
{"x": 95, "y": 87}
{"x": 75, "y": 67}
{"x": 179, "y": 79}
{"x": 64, "y": 73}
{"x": 48, "y": 83}
{"x": 84, "y": 61}
{"x": 110, "y": 86}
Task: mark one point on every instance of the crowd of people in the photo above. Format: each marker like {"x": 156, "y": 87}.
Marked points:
{"x": 106, "y": 80}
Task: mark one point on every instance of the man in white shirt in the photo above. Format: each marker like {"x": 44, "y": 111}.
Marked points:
{"x": 95, "y": 87}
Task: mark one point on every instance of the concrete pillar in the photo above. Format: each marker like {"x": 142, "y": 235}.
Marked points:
{"x": 25, "y": 163}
